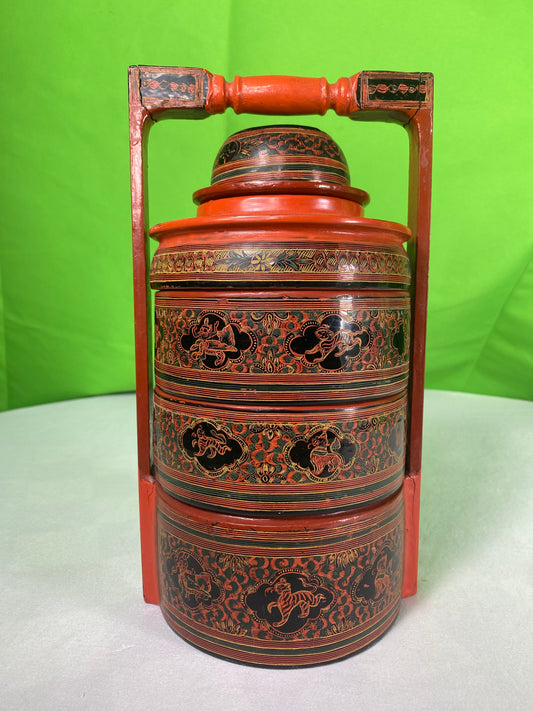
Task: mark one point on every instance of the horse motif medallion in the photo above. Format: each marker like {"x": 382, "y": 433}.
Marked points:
{"x": 331, "y": 343}
{"x": 214, "y": 341}
{"x": 375, "y": 582}
{"x": 289, "y": 601}
{"x": 194, "y": 585}
{"x": 214, "y": 450}
{"x": 323, "y": 454}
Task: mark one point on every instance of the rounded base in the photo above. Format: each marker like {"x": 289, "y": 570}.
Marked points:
{"x": 297, "y": 662}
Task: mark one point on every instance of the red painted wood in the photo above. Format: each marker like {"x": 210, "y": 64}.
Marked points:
{"x": 281, "y": 95}
{"x": 139, "y": 125}
{"x": 420, "y": 166}
{"x": 411, "y": 488}
{"x": 302, "y": 192}
{"x": 147, "y": 507}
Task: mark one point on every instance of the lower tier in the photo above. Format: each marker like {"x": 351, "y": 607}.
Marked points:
{"x": 282, "y": 592}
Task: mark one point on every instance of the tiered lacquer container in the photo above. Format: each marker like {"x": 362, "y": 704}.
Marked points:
{"x": 282, "y": 333}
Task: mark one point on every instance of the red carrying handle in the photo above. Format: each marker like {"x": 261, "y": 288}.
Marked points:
{"x": 157, "y": 93}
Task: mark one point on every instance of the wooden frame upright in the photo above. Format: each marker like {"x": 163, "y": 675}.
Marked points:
{"x": 157, "y": 93}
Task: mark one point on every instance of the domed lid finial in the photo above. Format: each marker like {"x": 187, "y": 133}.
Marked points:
{"x": 280, "y": 159}
{"x": 281, "y": 153}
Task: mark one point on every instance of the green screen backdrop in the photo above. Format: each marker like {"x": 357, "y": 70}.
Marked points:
{"x": 66, "y": 324}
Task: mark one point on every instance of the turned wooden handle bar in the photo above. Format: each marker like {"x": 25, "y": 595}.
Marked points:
{"x": 283, "y": 95}
{"x": 186, "y": 92}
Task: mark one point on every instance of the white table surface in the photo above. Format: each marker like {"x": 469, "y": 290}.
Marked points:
{"x": 77, "y": 634}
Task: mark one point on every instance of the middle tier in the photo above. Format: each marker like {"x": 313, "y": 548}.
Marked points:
{"x": 292, "y": 459}
{"x": 285, "y": 347}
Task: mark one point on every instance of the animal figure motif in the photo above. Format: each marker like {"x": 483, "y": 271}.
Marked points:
{"x": 376, "y": 581}
{"x": 209, "y": 445}
{"x": 383, "y": 575}
{"x": 321, "y": 455}
{"x": 288, "y": 601}
{"x": 191, "y": 583}
{"x": 333, "y": 342}
{"x": 212, "y": 341}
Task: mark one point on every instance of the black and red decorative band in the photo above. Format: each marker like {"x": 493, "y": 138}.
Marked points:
{"x": 392, "y": 89}
{"x": 234, "y": 346}
{"x": 298, "y": 460}
{"x": 281, "y": 152}
{"x": 186, "y": 87}
{"x": 280, "y": 592}
{"x": 375, "y": 267}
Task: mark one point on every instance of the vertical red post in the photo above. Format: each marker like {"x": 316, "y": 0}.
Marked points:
{"x": 139, "y": 125}
{"x": 420, "y": 161}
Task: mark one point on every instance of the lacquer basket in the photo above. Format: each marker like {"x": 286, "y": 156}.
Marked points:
{"x": 279, "y": 515}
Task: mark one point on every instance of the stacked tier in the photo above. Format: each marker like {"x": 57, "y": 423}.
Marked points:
{"x": 281, "y": 366}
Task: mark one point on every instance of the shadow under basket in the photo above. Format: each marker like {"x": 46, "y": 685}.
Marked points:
{"x": 280, "y": 591}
